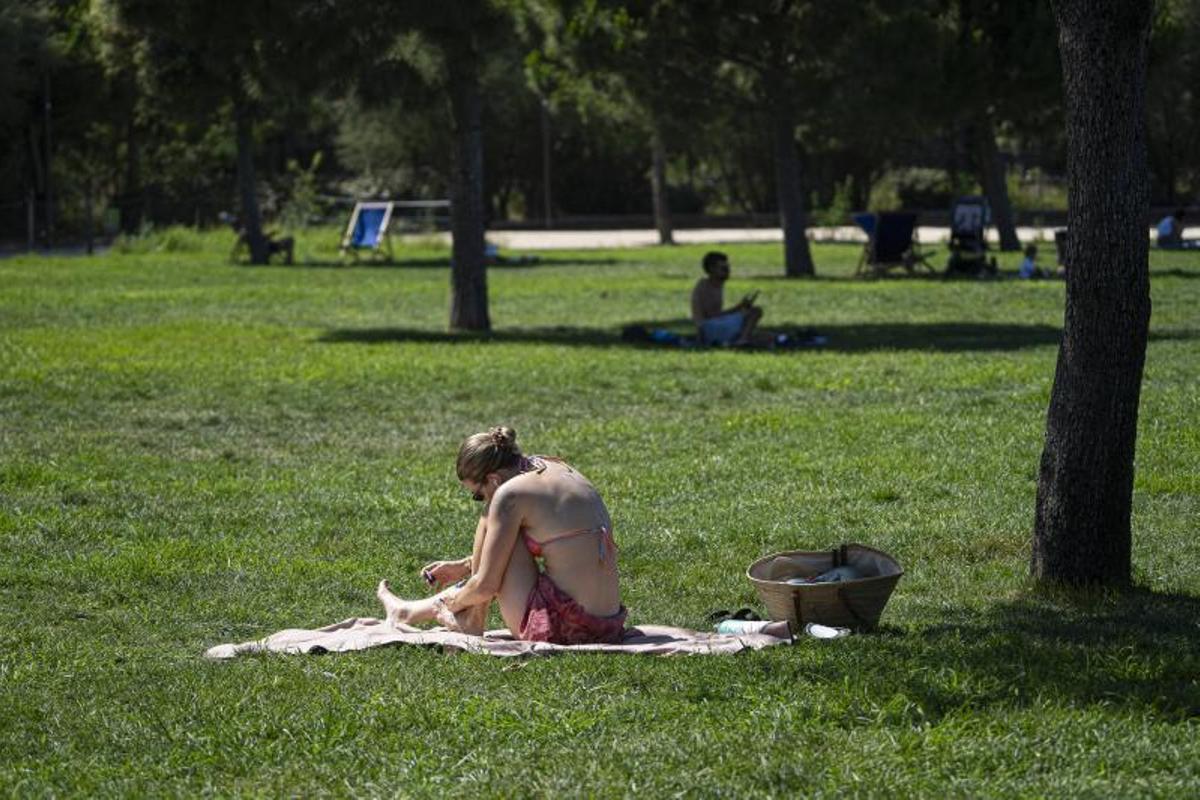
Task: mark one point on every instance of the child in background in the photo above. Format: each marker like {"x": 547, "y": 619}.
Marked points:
{"x": 1029, "y": 268}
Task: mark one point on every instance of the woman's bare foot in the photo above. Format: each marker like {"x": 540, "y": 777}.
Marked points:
{"x": 397, "y": 610}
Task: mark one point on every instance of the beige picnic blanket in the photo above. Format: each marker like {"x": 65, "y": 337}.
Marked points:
{"x": 361, "y": 633}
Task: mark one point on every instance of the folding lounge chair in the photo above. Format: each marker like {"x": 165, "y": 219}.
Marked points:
{"x": 368, "y": 230}
{"x": 889, "y": 244}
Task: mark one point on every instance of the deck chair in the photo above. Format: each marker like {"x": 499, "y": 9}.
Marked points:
{"x": 368, "y": 230}
{"x": 890, "y": 244}
{"x": 969, "y": 219}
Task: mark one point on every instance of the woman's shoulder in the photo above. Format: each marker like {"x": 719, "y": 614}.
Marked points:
{"x": 539, "y": 472}
{"x": 542, "y": 463}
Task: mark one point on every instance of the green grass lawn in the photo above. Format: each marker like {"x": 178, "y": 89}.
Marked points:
{"x": 193, "y": 452}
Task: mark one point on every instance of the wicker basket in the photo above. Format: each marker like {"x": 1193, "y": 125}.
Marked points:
{"x": 852, "y": 604}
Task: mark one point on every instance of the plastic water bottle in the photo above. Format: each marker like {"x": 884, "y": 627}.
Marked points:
{"x": 771, "y": 627}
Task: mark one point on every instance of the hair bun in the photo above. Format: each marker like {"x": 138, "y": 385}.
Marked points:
{"x": 503, "y": 437}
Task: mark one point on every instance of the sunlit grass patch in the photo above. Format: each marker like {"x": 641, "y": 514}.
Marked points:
{"x": 195, "y": 451}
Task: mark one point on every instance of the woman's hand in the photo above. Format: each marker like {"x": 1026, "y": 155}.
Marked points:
{"x": 441, "y": 573}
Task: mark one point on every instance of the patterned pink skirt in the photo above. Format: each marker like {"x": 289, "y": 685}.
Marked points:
{"x": 552, "y": 615}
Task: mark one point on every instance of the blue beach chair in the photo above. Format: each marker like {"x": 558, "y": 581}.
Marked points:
{"x": 368, "y": 230}
{"x": 889, "y": 244}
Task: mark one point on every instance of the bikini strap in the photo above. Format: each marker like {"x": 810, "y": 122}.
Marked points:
{"x": 607, "y": 544}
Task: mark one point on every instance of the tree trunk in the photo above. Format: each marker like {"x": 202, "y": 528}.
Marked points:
{"x": 994, "y": 182}
{"x": 860, "y": 189}
{"x": 31, "y": 219}
{"x": 88, "y": 213}
{"x": 658, "y": 186}
{"x": 39, "y": 180}
{"x": 49, "y": 196}
{"x": 797, "y": 258}
{"x": 251, "y": 221}
{"x": 131, "y": 197}
{"x": 547, "y": 189}
{"x": 468, "y": 273}
{"x": 1085, "y": 487}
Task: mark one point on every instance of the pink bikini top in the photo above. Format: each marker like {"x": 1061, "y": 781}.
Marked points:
{"x": 607, "y": 545}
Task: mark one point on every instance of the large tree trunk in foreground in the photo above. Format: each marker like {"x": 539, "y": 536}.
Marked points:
{"x": 251, "y": 219}
{"x": 1082, "y": 528}
{"x": 658, "y": 187}
{"x": 994, "y": 182}
{"x": 468, "y": 274}
{"x": 797, "y": 258}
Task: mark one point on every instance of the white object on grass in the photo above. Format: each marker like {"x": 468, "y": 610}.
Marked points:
{"x": 818, "y": 631}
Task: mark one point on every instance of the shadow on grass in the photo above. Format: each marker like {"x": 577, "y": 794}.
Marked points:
{"x": 1137, "y": 649}
{"x": 1180, "y": 335}
{"x": 944, "y": 337}
{"x": 440, "y": 263}
{"x": 1174, "y": 272}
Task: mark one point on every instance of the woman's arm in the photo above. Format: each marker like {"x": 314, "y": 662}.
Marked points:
{"x": 503, "y": 527}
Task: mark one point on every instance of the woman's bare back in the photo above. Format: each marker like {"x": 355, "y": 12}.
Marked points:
{"x": 554, "y": 499}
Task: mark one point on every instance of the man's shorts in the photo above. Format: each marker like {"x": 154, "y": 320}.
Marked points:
{"x": 723, "y": 329}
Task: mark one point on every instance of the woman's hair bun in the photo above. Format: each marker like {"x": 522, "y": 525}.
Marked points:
{"x": 503, "y": 437}
{"x": 484, "y": 453}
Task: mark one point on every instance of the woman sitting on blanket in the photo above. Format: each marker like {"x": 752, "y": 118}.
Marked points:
{"x": 535, "y": 507}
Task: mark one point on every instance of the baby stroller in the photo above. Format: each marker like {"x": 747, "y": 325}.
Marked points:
{"x": 968, "y": 243}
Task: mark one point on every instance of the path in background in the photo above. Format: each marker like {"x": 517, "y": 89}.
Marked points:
{"x": 579, "y": 240}
{"x": 647, "y": 237}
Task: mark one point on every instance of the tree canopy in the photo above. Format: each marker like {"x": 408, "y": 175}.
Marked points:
{"x": 786, "y": 110}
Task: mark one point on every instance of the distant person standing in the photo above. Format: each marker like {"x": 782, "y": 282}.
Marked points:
{"x": 717, "y": 325}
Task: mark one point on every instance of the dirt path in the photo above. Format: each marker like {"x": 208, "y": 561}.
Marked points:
{"x": 581, "y": 240}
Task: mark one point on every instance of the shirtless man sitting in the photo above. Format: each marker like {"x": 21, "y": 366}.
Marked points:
{"x": 716, "y": 325}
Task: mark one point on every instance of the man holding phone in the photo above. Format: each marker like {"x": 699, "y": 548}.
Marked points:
{"x": 731, "y": 326}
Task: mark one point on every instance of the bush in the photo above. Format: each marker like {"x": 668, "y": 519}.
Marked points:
{"x": 303, "y": 206}
{"x": 839, "y": 208}
{"x": 173, "y": 239}
{"x": 917, "y": 188}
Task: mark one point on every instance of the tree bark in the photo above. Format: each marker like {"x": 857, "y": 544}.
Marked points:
{"x": 468, "y": 273}
{"x": 1085, "y": 486}
{"x": 251, "y": 220}
{"x": 131, "y": 197}
{"x": 88, "y": 213}
{"x": 994, "y": 182}
{"x": 49, "y": 195}
{"x": 547, "y": 186}
{"x": 796, "y": 256}
{"x": 31, "y": 219}
{"x": 658, "y": 187}
{"x": 39, "y": 184}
